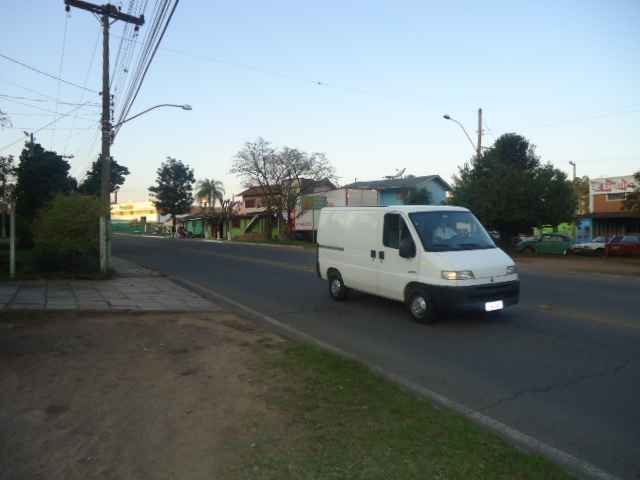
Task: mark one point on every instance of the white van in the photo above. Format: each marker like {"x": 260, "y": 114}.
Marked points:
{"x": 430, "y": 257}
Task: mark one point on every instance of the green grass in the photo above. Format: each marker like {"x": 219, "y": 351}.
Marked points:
{"x": 349, "y": 423}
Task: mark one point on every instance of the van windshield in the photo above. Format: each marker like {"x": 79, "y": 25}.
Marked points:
{"x": 446, "y": 231}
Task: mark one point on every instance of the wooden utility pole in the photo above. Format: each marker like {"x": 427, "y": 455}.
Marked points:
{"x": 106, "y": 13}
{"x": 479, "y": 144}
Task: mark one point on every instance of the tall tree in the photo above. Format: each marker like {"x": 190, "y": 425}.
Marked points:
{"x": 632, "y": 202}
{"x": 5, "y": 121}
{"x": 257, "y": 165}
{"x": 302, "y": 172}
{"x": 41, "y": 174}
{"x": 91, "y": 183}
{"x": 212, "y": 190}
{"x": 511, "y": 191}
{"x": 7, "y": 171}
{"x": 173, "y": 192}
{"x": 581, "y": 187}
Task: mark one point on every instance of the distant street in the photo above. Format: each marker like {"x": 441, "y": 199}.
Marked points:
{"x": 562, "y": 366}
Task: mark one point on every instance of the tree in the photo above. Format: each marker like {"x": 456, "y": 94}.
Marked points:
{"x": 510, "y": 191}
{"x": 91, "y": 183}
{"x": 257, "y": 165}
{"x": 172, "y": 193}
{"x": 7, "y": 170}
{"x": 41, "y": 174}
{"x": 302, "y": 172}
{"x": 581, "y": 187}
{"x": 212, "y": 190}
{"x": 632, "y": 202}
{"x": 5, "y": 121}
{"x": 417, "y": 196}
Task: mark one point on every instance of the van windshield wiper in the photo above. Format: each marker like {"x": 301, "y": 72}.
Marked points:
{"x": 471, "y": 246}
{"x": 443, "y": 246}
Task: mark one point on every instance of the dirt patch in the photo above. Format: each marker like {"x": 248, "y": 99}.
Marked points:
{"x": 153, "y": 396}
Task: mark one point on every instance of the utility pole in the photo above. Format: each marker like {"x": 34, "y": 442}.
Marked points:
{"x": 479, "y": 144}
{"x": 106, "y": 13}
{"x": 573, "y": 164}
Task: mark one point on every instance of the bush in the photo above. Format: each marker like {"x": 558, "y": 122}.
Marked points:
{"x": 66, "y": 234}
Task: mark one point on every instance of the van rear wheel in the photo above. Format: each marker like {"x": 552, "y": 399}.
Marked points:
{"x": 337, "y": 290}
{"x": 421, "y": 307}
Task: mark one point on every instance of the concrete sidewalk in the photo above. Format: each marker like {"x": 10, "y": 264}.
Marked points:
{"x": 133, "y": 288}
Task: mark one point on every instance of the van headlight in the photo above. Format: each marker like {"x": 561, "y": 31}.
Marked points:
{"x": 511, "y": 269}
{"x": 460, "y": 275}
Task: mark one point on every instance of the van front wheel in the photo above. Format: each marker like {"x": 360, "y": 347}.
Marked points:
{"x": 337, "y": 290}
{"x": 421, "y": 307}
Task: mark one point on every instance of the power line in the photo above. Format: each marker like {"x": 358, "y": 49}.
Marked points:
{"x": 46, "y": 125}
{"x": 84, "y": 84}
{"x": 41, "y": 100}
{"x": 155, "y": 40}
{"x": 46, "y": 110}
{"x": 64, "y": 47}
{"x": 34, "y": 69}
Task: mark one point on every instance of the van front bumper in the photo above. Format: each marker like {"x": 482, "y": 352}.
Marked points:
{"x": 476, "y": 296}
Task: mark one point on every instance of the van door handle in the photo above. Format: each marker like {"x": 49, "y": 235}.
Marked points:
{"x": 373, "y": 254}
{"x": 381, "y": 255}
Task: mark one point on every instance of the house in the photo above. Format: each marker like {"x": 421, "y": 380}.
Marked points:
{"x": 251, "y": 221}
{"x": 395, "y": 191}
{"x": 607, "y": 216}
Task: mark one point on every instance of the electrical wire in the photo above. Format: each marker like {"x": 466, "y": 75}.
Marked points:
{"x": 41, "y": 100}
{"x": 40, "y": 108}
{"x": 64, "y": 47}
{"x": 84, "y": 84}
{"x": 155, "y": 38}
{"x": 18, "y": 62}
{"x": 46, "y": 125}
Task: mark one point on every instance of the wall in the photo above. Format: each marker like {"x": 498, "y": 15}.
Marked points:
{"x": 134, "y": 210}
{"x": 602, "y": 205}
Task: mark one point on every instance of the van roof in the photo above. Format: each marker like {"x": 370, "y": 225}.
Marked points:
{"x": 402, "y": 208}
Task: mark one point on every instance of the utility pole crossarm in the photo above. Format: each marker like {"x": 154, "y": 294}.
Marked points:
{"x": 108, "y": 9}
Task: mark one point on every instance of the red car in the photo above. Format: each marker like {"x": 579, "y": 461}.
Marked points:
{"x": 626, "y": 245}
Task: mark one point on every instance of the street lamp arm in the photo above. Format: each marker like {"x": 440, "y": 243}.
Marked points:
{"x": 447, "y": 117}
{"x": 184, "y": 107}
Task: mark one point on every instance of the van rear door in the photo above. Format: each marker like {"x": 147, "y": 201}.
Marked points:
{"x": 395, "y": 271}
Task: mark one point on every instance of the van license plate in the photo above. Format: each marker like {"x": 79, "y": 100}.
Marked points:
{"x": 493, "y": 306}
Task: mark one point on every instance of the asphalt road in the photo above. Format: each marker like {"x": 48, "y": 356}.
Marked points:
{"x": 563, "y": 366}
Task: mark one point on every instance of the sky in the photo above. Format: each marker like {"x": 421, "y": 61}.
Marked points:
{"x": 365, "y": 82}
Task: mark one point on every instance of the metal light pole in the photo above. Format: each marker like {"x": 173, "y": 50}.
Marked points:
{"x": 174, "y": 105}
{"x": 473, "y": 145}
{"x": 476, "y": 146}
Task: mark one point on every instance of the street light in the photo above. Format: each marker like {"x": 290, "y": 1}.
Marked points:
{"x": 448, "y": 117}
{"x": 118, "y": 125}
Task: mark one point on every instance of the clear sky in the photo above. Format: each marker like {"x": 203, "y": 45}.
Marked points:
{"x": 366, "y": 82}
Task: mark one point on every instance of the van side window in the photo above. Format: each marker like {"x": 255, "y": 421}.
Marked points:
{"x": 394, "y": 230}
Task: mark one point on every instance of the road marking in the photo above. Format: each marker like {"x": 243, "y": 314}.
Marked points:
{"x": 519, "y": 439}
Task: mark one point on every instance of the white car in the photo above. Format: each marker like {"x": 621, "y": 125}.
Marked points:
{"x": 429, "y": 257}
{"x": 594, "y": 247}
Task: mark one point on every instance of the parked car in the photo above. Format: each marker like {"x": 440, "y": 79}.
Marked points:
{"x": 594, "y": 247}
{"x": 623, "y": 245}
{"x": 431, "y": 258}
{"x": 554, "y": 243}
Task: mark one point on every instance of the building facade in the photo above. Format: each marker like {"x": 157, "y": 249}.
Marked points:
{"x": 607, "y": 216}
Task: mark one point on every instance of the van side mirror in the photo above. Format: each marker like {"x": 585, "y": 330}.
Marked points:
{"x": 407, "y": 248}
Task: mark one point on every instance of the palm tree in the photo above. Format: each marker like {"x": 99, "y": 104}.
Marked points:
{"x": 210, "y": 189}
